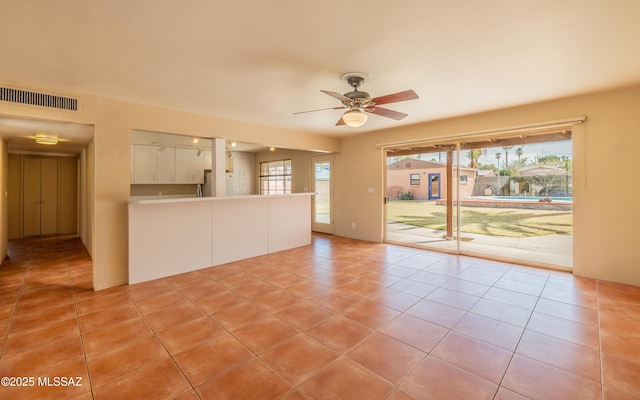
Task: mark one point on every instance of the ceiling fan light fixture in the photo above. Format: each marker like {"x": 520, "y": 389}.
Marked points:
{"x": 355, "y": 118}
{"x": 42, "y": 138}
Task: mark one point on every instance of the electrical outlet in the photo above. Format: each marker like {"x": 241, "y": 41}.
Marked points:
{"x": 371, "y": 190}
{"x": 353, "y": 225}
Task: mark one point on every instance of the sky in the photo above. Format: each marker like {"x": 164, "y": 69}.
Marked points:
{"x": 530, "y": 151}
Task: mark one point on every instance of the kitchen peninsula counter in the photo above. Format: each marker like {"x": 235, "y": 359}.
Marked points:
{"x": 169, "y": 236}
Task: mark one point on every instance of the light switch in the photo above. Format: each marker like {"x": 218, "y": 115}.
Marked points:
{"x": 371, "y": 190}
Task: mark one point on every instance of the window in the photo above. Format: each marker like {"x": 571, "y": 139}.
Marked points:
{"x": 275, "y": 177}
{"x": 415, "y": 179}
{"x": 463, "y": 179}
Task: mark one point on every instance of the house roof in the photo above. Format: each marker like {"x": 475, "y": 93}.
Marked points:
{"x": 411, "y": 163}
{"x": 542, "y": 170}
{"x": 259, "y": 61}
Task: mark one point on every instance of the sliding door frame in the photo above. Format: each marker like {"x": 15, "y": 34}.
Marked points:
{"x": 419, "y": 146}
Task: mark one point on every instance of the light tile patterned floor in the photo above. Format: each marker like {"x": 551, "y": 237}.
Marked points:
{"x": 339, "y": 319}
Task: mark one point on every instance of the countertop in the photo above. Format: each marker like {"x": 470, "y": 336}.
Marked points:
{"x": 178, "y": 199}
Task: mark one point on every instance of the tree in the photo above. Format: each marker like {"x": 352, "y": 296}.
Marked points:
{"x": 519, "y": 153}
{"x": 498, "y": 155}
{"x": 474, "y": 154}
{"x": 551, "y": 159}
{"x": 506, "y": 155}
{"x": 506, "y": 172}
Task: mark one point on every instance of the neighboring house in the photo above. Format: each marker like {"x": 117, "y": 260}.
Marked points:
{"x": 425, "y": 180}
{"x": 537, "y": 180}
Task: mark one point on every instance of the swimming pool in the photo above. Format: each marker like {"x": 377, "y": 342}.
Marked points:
{"x": 527, "y": 202}
{"x": 523, "y": 198}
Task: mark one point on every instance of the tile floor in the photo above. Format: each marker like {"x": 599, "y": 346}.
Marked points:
{"x": 339, "y": 319}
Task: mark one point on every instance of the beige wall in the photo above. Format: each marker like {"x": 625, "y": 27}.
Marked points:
{"x": 605, "y": 226}
{"x": 605, "y": 238}
{"x": 4, "y": 201}
{"x": 14, "y": 199}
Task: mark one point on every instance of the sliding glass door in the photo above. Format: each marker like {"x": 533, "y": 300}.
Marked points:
{"x": 503, "y": 197}
{"x": 419, "y": 197}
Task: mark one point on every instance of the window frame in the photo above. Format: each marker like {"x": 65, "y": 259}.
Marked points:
{"x": 275, "y": 177}
{"x": 412, "y": 179}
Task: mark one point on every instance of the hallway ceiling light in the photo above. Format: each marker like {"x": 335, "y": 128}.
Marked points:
{"x": 42, "y": 138}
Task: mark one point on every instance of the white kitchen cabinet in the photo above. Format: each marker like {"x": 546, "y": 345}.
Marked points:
{"x": 208, "y": 164}
{"x": 197, "y": 167}
{"x": 183, "y": 165}
{"x": 189, "y": 166}
{"x": 145, "y": 168}
{"x": 167, "y": 165}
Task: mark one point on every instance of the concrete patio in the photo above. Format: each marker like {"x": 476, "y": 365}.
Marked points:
{"x": 553, "y": 251}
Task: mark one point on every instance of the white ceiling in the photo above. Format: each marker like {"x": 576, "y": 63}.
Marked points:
{"x": 261, "y": 61}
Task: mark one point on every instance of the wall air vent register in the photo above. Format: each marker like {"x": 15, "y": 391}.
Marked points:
{"x": 38, "y": 99}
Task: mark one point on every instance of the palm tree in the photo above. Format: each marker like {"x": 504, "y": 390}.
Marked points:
{"x": 519, "y": 153}
{"x": 498, "y": 155}
{"x": 474, "y": 155}
{"x": 506, "y": 155}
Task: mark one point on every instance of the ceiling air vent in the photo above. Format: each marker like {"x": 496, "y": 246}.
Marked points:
{"x": 38, "y": 99}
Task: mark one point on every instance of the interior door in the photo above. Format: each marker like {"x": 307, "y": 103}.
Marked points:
{"x": 48, "y": 196}
{"x": 40, "y": 196}
{"x": 322, "y": 204}
{"x": 31, "y": 197}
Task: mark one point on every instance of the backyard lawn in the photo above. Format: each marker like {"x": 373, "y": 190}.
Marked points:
{"x": 509, "y": 222}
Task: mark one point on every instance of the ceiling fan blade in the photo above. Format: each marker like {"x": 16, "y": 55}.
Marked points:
{"x": 340, "y": 122}
{"x": 321, "y": 109}
{"x": 384, "y": 112}
{"x": 337, "y": 96}
{"x": 393, "y": 98}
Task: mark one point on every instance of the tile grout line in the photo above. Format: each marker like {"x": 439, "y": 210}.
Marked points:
{"x": 75, "y": 307}
{"x": 524, "y": 329}
{"x": 155, "y": 335}
{"x": 15, "y": 305}
{"x": 600, "y": 340}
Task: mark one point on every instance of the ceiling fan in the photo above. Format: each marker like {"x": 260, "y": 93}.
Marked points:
{"x": 360, "y": 103}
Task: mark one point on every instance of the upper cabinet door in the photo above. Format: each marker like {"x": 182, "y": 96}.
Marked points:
{"x": 146, "y": 164}
{"x": 189, "y": 166}
{"x": 208, "y": 164}
{"x": 183, "y": 165}
{"x": 197, "y": 167}
{"x": 167, "y": 165}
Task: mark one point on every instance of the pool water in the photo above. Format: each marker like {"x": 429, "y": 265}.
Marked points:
{"x": 528, "y": 198}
